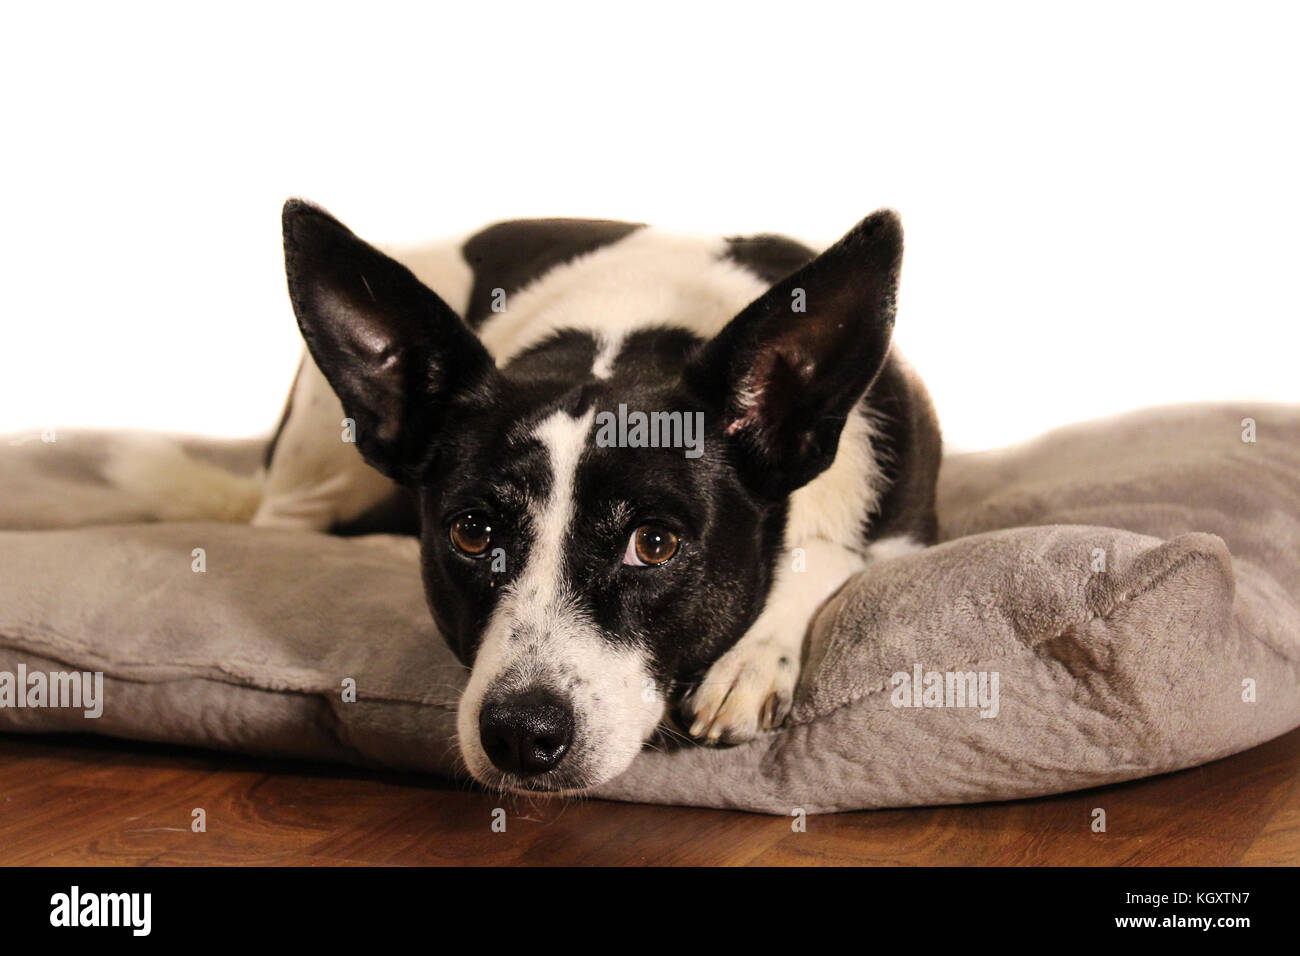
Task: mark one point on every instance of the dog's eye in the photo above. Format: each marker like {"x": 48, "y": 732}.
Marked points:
{"x": 649, "y": 545}
{"x": 471, "y": 533}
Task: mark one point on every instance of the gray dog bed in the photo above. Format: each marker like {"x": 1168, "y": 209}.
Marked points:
{"x": 1128, "y": 583}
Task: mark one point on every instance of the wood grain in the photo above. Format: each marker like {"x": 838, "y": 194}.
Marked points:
{"x": 91, "y": 801}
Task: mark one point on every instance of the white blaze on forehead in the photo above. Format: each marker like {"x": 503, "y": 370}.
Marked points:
{"x": 539, "y": 635}
{"x": 607, "y": 348}
{"x": 542, "y": 582}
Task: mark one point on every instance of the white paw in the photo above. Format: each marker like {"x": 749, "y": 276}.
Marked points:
{"x": 748, "y": 689}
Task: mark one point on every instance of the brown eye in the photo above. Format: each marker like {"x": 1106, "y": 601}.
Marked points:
{"x": 471, "y": 533}
{"x": 649, "y": 545}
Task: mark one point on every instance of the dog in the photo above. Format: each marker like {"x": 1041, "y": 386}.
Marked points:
{"x": 638, "y": 463}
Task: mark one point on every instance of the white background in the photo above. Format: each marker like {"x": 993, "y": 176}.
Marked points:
{"x": 1101, "y": 199}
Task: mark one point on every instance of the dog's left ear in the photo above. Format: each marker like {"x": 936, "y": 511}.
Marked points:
{"x": 397, "y": 356}
{"x": 788, "y": 370}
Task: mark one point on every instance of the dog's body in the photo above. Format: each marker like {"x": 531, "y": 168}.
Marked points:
{"x": 543, "y": 548}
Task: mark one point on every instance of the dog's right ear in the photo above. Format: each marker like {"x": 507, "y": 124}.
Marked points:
{"x": 396, "y": 355}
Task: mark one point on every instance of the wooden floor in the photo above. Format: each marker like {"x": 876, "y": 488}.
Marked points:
{"x": 93, "y": 802}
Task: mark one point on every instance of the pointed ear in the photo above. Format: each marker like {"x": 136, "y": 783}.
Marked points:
{"x": 396, "y": 355}
{"x": 788, "y": 370}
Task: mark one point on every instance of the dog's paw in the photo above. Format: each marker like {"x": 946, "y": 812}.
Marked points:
{"x": 748, "y": 689}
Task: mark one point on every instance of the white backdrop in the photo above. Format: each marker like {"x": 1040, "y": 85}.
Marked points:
{"x": 1101, "y": 200}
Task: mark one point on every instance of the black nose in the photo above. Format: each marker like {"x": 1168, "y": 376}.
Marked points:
{"x": 527, "y": 733}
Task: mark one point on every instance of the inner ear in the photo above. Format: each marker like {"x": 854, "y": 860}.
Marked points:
{"x": 396, "y": 355}
{"x": 788, "y": 370}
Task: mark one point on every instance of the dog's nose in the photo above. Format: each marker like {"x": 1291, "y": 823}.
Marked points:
{"x": 528, "y": 733}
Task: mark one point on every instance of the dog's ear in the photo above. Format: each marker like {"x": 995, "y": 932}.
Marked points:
{"x": 396, "y": 355}
{"x": 788, "y": 370}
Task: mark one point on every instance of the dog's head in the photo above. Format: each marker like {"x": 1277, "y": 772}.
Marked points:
{"x": 587, "y": 583}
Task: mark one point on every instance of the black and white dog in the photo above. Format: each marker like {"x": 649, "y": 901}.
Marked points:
{"x": 641, "y": 463}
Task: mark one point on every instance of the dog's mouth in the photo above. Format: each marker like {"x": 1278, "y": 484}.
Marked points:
{"x": 587, "y": 764}
{"x": 576, "y": 777}
{"x": 560, "y": 785}
{"x": 571, "y": 777}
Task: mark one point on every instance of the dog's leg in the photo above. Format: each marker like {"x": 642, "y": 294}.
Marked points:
{"x": 751, "y": 687}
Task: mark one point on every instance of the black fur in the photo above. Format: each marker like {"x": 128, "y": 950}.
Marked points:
{"x": 769, "y": 257}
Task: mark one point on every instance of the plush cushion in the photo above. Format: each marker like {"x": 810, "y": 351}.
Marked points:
{"x": 1129, "y": 582}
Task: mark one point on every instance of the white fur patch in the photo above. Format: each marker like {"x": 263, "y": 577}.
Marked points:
{"x": 887, "y": 549}
{"x": 835, "y": 505}
{"x": 646, "y": 278}
{"x": 565, "y": 439}
{"x": 607, "y": 348}
{"x": 175, "y": 486}
{"x": 316, "y": 478}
